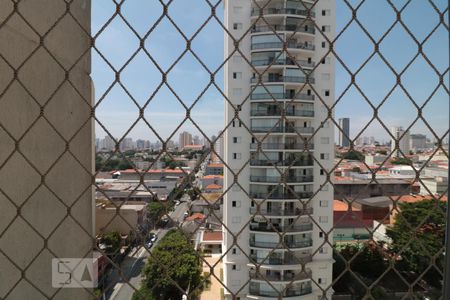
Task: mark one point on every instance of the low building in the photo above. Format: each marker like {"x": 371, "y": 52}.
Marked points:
{"x": 193, "y": 147}
{"x": 366, "y": 188}
{"x": 160, "y": 174}
{"x": 214, "y": 169}
{"x": 212, "y": 179}
{"x": 132, "y": 217}
{"x": 435, "y": 186}
{"x": 402, "y": 172}
{"x": 213, "y": 188}
{"x": 373, "y": 160}
{"x": 209, "y": 241}
{"x": 349, "y": 224}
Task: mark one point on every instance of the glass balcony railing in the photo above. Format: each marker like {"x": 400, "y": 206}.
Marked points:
{"x": 282, "y": 11}
{"x": 280, "y": 129}
{"x": 290, "y": 292}
{"x": 276, "y": 179}
{"x": 280, "y": 45}
{"x": 287, "y": 244}
{"x": 284, "y": 146}
{"x": 280, "y": 196}
{"x": 287, "y": 276}
{"x": 287, "y": 79}
{"x": 277, "y": 261}
{"x": 265, "y": 96}
{"x": 289, "y": 112}
{"x": 271, "y": 227}
{"x": 282, "y": 212}
{"x": 287, "y": 163}
{"x": 286, "y": 62}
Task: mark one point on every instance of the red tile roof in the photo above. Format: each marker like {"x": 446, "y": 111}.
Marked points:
{"x": 213, "y": 186}
{"x": 196, "y": 216}
{"x": 342, "y": 206}
{"x": 212, "y": 236}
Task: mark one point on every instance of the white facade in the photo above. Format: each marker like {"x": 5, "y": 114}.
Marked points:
{"x": 403, "y": 141}
{"x": 288, "y": 142}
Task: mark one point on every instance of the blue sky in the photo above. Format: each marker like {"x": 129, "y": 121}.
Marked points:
{"x": 189, "y": 79}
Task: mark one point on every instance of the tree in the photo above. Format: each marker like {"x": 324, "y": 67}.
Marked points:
{"x": 354, "y": 155}
{"x": 417, "y": 235}
{"x": 173, "y": 260}
{"x": 155, "y": 211}
{"x": 112, "y": 241}
{"x": 401, "y": 161}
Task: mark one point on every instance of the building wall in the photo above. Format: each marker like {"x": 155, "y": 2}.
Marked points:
{"x": 68, "y": 112}
{"x": 107, "y": 221}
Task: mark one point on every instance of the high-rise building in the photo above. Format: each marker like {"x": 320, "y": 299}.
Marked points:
{"x": 126, "y": 144}
{"x": 403, "y": 141}
{"x": 140, "y": 144}
{"x": 108, "y": 143}
{"x": 282, "y": 112}
{"x": 185, "y": 139}
{"x": 196, "y": 140}
{"x": 417, "y": 142}
{"x": 344, "y": 124}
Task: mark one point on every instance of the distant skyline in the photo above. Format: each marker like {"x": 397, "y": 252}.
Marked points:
{"x": 189, "y": 79}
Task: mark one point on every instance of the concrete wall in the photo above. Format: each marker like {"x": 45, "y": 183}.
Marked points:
{"x": 45, "y": 193}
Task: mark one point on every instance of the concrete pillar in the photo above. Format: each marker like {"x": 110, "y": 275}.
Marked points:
{"x": 46, "y": 144}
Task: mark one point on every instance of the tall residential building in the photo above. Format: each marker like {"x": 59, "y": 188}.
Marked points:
{"x": 126, "y": 144}
{"x": 109, "y": 143}
{"x": 196, "y": 140}
{"x": 403, "y": 141}
{"x": 344, "y": 124}
{"x": 282, "y": 188}
{"x": 417, "y": 142}
{"x": 184, "y": 139}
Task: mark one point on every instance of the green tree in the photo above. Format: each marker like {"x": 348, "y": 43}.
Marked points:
{"x": 401, "y": 161}
{"x": 353, "y": 155}
{"x": 112, "y": 240}
{"x": 174, "y": 259}
{"x": 155, "y": 211}
{"x": 417, "y": 235}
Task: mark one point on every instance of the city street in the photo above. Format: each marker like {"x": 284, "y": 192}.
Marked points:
{"x": 134, "y": 263}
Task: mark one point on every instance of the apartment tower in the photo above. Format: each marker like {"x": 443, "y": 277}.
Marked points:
{"x": 344, "y": 124}
{"x": 278, "y": 210}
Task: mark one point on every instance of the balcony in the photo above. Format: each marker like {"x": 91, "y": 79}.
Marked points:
{"x": 285, "y": 79}
{"x": 277, "y": 112}
{"x": 290, "y": 292}
{"x": 265, "y": 96}
{"x": 278, "y": 163}
{"x": 278, "y": 195}
{"x": 279, "y": 261}
{"x": 282, "y": 212}
{"x": 282, "y": 11}
{"x": 281, "y": 129}
{"x": 287, "y": 276}
{"x": 271, "y": 227}
{"x": 292, "y": 28}
{"x": 290, "y": 244}
{"x": 280, "y": 45}
{"x": 276, "y": 179}
{"x": 283, "y": 62}
{"x": 284, "y": 146}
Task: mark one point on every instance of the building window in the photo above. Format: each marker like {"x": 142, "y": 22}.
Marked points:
{"x": 239, "y": 107}
{"x": 233, "y": 267}
{"x": 233, "y": 251}
{"x": 236, "y": 203}
{"x": 237, "y": 26}
{"x": 323, "y": 250}
{"x": 327, "y": 93}
{"x": 323, "y": 219}
{"x": 324, "y": 156}
{"x": 233, "y": 203}
{"x": 324, "y": 44}
{"x": 237, "y": 140}
{"x": 237, "y": 75}
{"x": 322, "y": 172}
{"x": 323, "y": 203}
{"x": 326, "y": 28}
{"x": 321, "y": 234}
{"x": 236, "y": 155}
